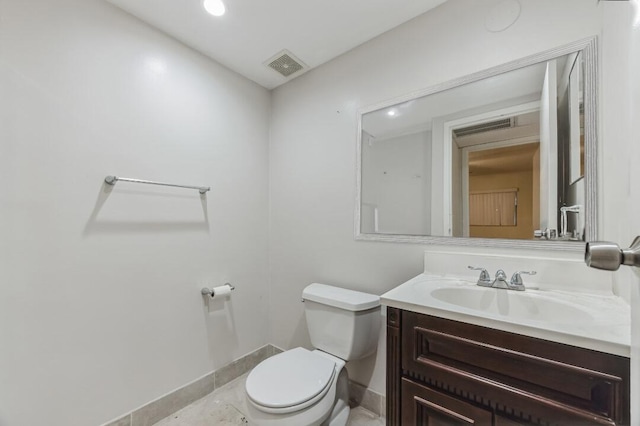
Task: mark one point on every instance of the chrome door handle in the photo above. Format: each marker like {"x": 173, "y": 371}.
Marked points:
{"x": 609, "y": 256}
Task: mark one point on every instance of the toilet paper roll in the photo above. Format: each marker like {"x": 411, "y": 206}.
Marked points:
{"x": 221, "y": 292}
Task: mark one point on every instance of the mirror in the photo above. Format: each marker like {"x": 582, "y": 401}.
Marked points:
{"x": 501, "y": 157}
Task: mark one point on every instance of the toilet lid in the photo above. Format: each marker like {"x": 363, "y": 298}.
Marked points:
{"x": 289, "y": 378}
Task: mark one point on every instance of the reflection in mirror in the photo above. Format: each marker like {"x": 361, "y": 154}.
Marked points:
{"x": 574, "y": 97}
{"x": 495, "y": 210}
{"x": 499, "y": 157}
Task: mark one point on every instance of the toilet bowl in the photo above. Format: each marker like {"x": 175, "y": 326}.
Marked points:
{"x": 314, "y": 384}
{"x": 300, "y": 387}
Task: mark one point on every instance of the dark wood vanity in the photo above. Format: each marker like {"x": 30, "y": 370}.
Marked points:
{"x": 445, "y": 372}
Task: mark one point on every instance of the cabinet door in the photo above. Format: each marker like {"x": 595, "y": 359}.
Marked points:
{"x": 424, "y": 406}
{"x": 503, "y": 421}
{"x": 535, "y": 380}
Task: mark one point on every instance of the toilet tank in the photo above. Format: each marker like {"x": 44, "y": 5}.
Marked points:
{"x": 341, "y": 322}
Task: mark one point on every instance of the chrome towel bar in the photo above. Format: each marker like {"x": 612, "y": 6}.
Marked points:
{"x": 111, "y": 180}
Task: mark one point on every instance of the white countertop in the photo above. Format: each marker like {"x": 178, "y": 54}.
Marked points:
{"x": 604, "y": 323}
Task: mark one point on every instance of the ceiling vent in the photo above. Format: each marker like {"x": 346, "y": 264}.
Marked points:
{"x": 485, "y": 127}
{"x": 285, "y": 63}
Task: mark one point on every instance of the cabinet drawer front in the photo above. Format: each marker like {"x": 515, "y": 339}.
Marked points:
{"x": 572, "y": 380}
{"x": 505, "y": 399}
{"x": 507, "y": 358}
{"x": 425, "y": 406}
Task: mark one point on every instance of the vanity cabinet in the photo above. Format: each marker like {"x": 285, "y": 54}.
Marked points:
{"x": 445, "y": 372}
{"x": 430, "y": 407}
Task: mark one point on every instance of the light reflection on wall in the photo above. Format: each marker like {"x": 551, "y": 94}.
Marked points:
{"x": 156, "y": 66}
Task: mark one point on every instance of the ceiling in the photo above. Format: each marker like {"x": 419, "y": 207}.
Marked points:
{"x": 254, "y": 31}
{"x": 516, "y": 158}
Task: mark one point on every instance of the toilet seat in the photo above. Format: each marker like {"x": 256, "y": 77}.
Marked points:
{"x": 290, "y": 381}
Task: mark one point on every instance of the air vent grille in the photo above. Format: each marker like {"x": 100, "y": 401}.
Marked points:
{"x": 285, "y": 63}
{"x": 484, "y": 127}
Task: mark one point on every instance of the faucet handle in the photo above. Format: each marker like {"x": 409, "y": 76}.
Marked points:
{"x": 484, "y": 275}
{"x": 516, "y": 279}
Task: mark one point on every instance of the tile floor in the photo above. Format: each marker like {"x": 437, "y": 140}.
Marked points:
{"x": 226, "y": 407}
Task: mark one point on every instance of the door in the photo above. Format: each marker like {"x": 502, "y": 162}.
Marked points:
{"x": 621, "y": 42}
{"x": 422, "y": 406}
{"x": 633, "y": 141}
{"x": 549, "y": 149}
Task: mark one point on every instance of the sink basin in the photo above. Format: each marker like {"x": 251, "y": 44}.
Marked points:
{"x": 598, "y": 321}
{"x": 528, "y": 306}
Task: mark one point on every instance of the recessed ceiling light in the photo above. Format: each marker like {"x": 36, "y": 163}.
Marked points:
{"x": 391, "y": 113}
{"x": 214, "y": 7}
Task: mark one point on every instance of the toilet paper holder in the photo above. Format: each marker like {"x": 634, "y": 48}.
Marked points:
{"x": 212, "y": 291}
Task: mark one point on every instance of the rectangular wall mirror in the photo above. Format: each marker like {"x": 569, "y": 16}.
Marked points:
{"x": 503, "y": 157}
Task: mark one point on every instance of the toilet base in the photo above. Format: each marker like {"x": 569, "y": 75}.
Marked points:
{"x": 340, "y": 412}
{"x": 332, "y": 410}
{"x": 339, "y": 415}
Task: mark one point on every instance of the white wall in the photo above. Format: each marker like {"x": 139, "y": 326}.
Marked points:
{"x": 100, "y": 306}
{"x": 396, "y": 178}
{"x": 312, "y": 154}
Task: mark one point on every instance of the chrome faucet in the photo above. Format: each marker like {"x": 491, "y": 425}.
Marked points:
{"x": 546, "y": 234}
{"x": 484, "y": 280}
{"x": 516, "y": 280}
{"x": 500, "y": 280}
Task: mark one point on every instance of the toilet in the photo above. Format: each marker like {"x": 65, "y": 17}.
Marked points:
{"x": 300, "y": 387}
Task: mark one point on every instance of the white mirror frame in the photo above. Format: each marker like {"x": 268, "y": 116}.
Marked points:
{"x": 589, "y": 48}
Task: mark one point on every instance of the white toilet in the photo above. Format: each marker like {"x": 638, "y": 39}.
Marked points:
{"x": 306, "y": 388}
